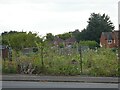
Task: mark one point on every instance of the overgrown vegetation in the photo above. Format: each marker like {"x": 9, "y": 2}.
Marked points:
{"x": 102, "y": 62}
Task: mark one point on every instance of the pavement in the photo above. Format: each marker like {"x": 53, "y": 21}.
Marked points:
{"x": 38, "y": 78}
{"x": 23, "y": 84}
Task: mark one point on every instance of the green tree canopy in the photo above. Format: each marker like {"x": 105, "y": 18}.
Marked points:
{"x": 49, "y": 37}
{"x": 97, "y": 24}
{"x": 76, "y": 34}
{"x": 19, "y": 40}
{"x": 65, "y": 36}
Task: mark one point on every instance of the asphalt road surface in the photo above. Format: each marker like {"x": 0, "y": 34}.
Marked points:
{"x": 22, "y": 84}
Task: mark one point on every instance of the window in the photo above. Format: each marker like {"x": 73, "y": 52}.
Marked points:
{"x": 109, "y": 41}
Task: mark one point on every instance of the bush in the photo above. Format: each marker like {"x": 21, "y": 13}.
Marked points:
{"x": 9, "y": 67}
{"x": 103, "y": 63}
{"x": 91, "y": 44}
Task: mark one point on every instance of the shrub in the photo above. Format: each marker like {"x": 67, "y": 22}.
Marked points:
{"x": 103, "y": 63}
{"x": 9, "y": 67}
{"x": 91, "y": 44}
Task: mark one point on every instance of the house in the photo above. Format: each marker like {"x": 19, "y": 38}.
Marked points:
{"x": 109, "y": 39}
{"x": 57, "y": 41}
{"x": 70, "y": 41}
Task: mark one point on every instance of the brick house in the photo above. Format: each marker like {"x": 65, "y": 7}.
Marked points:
{"x": 109, "y": 39}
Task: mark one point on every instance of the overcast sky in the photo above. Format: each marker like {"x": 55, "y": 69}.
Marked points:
{"x": 53, "y": 16}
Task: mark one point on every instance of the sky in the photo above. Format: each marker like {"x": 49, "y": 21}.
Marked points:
{"x": 119, "y": 14}
{"x": 53, "y": 16}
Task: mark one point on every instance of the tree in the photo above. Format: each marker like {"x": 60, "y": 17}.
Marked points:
{"x": 49, "y": 37}
{"x": 76, "y": 34}
{"x": 19, "y": 40}
{"x": 41, "y": 48}
{"x": 65, "y": 36}
{"x": 97, "y": 24}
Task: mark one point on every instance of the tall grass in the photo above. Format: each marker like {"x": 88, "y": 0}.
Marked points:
{"x": 102, "y": 62}
{"x": 9, "y": 67}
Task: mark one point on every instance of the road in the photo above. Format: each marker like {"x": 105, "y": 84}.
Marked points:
{"x": 23, "y": 84}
